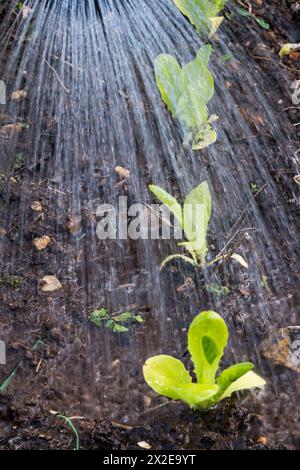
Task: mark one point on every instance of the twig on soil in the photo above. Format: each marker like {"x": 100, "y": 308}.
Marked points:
{"x": 57, "y": 190}
{"x": 247, "y": 7}
{"x": 288, "y": 109}
{"x": 122, "y": 426}
{"x": 158, "y": 407}
{"x": 276, "y": 62}
{"x": 38, "y": 366}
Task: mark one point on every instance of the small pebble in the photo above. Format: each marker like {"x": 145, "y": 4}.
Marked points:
{"x": 144, "y": 445}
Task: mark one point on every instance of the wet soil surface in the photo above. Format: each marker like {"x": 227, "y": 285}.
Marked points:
{"x": 44, "y": 337}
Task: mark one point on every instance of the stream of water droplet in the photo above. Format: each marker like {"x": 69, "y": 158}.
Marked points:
{"x": 92, "y": 104}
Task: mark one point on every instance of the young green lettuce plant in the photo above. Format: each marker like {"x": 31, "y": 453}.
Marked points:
{"x": 186, "y": 92}
{"x": 194, "y": 219}
{"x": 203, "y": 14}
{"x": 207, "y": 339}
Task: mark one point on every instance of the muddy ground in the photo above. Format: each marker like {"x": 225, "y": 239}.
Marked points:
{"x": 37, "y": 389}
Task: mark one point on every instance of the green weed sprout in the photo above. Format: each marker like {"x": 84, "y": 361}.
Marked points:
{"x": 203, "y": 14}
{"x": 207, "y": 339}
{"x": 70, "y": 424}
{"x": 194, "y": 220}
{"x": 115, "y": 323}
{"x": 186, "y": 92}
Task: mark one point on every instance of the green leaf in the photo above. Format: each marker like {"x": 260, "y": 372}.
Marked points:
{"x": 196, "y": 216}
{"x": 7, "y": 381}
{"x": 139, "y": 319}
{"x": 197, "y": 75}
{"x": 97, "y": 316}
{"x": 247, "y": 381}
{"x": 233, "y": 373}
{"x": 115, "y": 327}
{"x": 207, "y": 338}
{"x": 168, "y": 377}
{"x": 243, "y": 12}
{"x": 262, "y": 23}
{"x": 164, "y": 374}
{"x": 192, "y": 110}
{"x": 123, "y": 317}
{"x": 168, "y": 75}
{"x": 201, "y": 13}
{"x": 168, "y": 201}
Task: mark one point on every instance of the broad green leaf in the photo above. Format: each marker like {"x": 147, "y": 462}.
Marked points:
{"x": 247, "y": 381}
{"x": 168, "y": 78}
{"x": 168, "y": 377}
{"x": 168, "y": 200}
{"x": 207, "y": 338}
{"x": 193, "y": 10}
{"x": 192, "y": 110}
{"x": 233, "y": 373}
{"x": 196, "y": 215}
{"x": 183, "y": 257}
{"x": 164, "y": 374}
{"x": 200, "y": 12}
{"x": 197, "y": 75}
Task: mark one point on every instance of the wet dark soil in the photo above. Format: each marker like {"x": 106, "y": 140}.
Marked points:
{"x": 28, "y": 315}
{"x": 171, "y": 427}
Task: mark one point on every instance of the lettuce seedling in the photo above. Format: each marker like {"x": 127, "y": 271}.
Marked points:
{"x": 207, "y": 339}
{"x": 186, "y": 92}
{"x": 194, "y": 219}
{"x": 203, "y": 14}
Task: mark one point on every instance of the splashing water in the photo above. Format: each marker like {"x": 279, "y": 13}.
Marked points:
{"x": 92, "y": 105}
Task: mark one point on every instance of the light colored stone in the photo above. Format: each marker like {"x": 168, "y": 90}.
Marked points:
{"x": 50, "y": 284}
{"x": 18, "y": 95}
{"x": 42, "y": 242}
{"x": 283, "y": 347}
{"x": 36, "y": 206}
{"x": 122, "y": 172}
